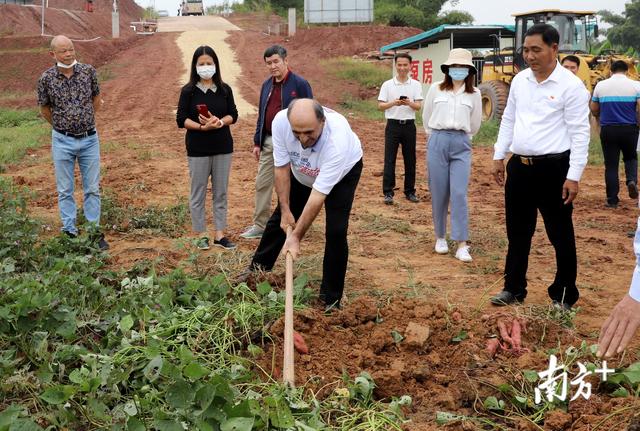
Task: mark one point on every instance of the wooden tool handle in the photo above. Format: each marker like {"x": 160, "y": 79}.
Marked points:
{"x": 288, "y": 374}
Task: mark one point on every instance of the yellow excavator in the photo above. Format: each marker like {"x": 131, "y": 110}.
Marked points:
{"x": 575, "y": 27}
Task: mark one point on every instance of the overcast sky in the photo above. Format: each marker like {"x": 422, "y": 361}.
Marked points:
{"x": 499, "y": 11}
{"x": 484, "y": 11}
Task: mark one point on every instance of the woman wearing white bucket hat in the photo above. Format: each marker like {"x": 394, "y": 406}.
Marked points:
{"x": 451, "y": 116}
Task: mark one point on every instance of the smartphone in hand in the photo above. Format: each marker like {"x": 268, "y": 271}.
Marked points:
{"x": 203, "y": 110}
{"x": 402, "y": 97}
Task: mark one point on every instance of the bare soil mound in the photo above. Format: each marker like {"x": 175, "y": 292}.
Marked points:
{"x": 436, "y": 354}
{"x": 25, "y": 58}
{"x": 25, "y": 53}
{"x": 68, "y": 17}
{"x": 349, "y": 40}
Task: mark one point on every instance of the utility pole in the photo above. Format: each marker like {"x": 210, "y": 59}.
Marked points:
{"x": 115, "y": 21}
{"x": 42, "y": 24}
{"x": 292, "y": 22}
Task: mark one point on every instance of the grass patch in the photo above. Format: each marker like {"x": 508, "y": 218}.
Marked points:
{"x": 367, "y": 108}
{"x": 19, "y": 131}
{"x": 11, "y": 95}
{"x": 380, "y": 223}
{"x": 595, "y": 152}
{"x": 36, "y": 50}
{"x": 488, "y": 134}
{"x": 105, "y": 73}
{"x": 145, "y": 155}
{"x": 168, "y": 221}
{"x": 368, "y": 75}
{"x": 108, "y": 146}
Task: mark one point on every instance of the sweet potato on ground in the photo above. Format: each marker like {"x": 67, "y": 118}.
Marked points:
{"x": 493, "y": 346}
{"x": 504, "y": 332}
{"x": 516, "y": 334}
{"x": 299, "y": 344}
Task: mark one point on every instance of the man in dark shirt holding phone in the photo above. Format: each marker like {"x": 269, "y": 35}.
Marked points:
{"x": 400, "y": 98}
{"x": 277, "y": 92}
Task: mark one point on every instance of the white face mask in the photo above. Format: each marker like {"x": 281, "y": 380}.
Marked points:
{"x": 206, "y": 72}
{"x": 67, "y": 66}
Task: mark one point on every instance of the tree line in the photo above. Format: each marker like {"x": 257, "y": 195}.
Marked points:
{"x": 624, "y": 33}
{"x": 424, "y": 14}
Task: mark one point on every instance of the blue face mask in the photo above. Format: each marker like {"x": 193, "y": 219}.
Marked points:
{"x": 458, "y": 73}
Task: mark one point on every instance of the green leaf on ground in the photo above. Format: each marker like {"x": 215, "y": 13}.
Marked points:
{"x": 24, "y": 425}
{"x": 194, "y": 371}
{"x": 58, "y": 394}
{"x": 179, "y": 395}
{"x": 126, "y": 323}
{"x": 239, "y": 424}
{"x": 530, "y": 375}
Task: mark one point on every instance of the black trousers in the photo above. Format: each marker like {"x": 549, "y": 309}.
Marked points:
{"x": 396, "y": 134}
{"x": 337, "y": 207}
{"x": 616, "y": 139}
{"x": 529, "y": 189}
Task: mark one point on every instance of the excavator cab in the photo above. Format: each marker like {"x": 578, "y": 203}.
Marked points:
{"x": 574, "y": 27}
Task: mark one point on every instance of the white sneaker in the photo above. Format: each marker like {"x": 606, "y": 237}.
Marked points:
{"x": 252, "y": 232}
{"x": 441, "y": 246}
{"x": 463, "y": 254}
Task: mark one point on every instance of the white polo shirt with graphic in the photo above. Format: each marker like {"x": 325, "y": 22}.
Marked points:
{"x": 324, "y": 164}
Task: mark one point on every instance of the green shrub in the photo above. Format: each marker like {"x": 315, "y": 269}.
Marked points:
{"x": 488, "y": 133}
{"x": 404, "y": 16}
{"x": 18, "y": 232}
{"x": 595, "y": 151}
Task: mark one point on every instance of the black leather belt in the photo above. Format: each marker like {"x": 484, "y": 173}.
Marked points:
{"x": 400, "y": 121}
{"x": 78, "y": 135}
{"x": 530, "y": 160}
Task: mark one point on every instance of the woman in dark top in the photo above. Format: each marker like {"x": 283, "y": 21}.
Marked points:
{"x": 209, "y": 142}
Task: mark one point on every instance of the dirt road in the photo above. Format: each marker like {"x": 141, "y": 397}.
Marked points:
{"x": 208, "y": 30}
{"x": 195, "y": 23}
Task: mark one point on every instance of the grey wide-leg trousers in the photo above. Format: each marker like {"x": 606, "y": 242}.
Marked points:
{"x": 200, "y": 169}
{"x": 449, "y": 166}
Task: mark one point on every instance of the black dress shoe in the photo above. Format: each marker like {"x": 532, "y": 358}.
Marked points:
{"x": 505, "y": 298}
{"x": 388, "y": 199}
{"x": 412, "y": 198}
{"x": 103, "y": 245}
{"x": 561, "y": 305}
{"x": 633, "y": 189}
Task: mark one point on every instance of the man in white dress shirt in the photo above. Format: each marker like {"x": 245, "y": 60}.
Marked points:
{"x": 400, "y": 98}
{"x": 318, "y": 161}
{"x": 546, "y": 127}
